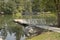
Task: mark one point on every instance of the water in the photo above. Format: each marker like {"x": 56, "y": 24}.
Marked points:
{"x": 10, "y": 30}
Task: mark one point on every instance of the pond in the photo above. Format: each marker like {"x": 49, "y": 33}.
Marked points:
{"x": 10, "y": 30}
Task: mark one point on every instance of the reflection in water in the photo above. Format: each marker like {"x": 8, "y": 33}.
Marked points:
{"x": 3, "y": 34}
{"x": 22, "y": 37}
{"x": 10, "y": 30}
{"x": 10, "y": 33}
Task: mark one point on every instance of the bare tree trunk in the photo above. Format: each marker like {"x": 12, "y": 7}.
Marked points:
{"x": 57, "y": 2}
{"x": 58, "y": 19}
{"x": 58, "y": 12}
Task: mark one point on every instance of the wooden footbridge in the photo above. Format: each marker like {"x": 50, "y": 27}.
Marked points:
{"x": 31, "y": 21}
{"x": 40, "y": 23}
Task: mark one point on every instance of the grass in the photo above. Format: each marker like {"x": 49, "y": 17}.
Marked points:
{"x": 46, "y": 36}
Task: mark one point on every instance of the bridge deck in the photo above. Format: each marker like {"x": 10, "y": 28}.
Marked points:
{"x": 31, "y": 21}
{"x": 55, "y": 29}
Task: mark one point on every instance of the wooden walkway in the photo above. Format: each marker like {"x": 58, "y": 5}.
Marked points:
{"x": 28, "y": 22}
{"x": 55, "y": 29}
{"x": 31, "y": 21}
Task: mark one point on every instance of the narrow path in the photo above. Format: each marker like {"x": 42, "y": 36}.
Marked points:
{"x": 55, "y": 29}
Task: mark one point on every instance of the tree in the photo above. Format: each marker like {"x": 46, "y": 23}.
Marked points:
{"x": 36, "y": 5}
{"x": 53, "y": 6}
{"x": 47, "y": 5}
{"x": 10, "y": 6}
{"x": 57, "y": 5}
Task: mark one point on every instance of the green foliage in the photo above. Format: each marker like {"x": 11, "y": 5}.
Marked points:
{"x": 11, "y": 6}
{"x": 18, "y": 15}
{"x": 47, "y": 5}
{"x": 36, "y": 6}
{"x": 20, "y": 5}
{"x": 49, "y": 17}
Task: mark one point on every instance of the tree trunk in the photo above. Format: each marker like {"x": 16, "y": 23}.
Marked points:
{"x": 58, "y": 19}
{"x": 58, "y": 12}
{"x": 57, "y": 2}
